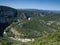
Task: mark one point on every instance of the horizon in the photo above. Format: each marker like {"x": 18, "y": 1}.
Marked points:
{"x": 32, "y": 4}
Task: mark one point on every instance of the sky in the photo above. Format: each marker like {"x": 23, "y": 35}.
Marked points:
{"x": 32, "y": 4}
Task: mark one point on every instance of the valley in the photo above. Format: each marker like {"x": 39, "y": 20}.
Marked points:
{"x": 29, "y": 27}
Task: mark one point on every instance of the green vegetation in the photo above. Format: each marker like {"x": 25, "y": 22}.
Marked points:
{"x": 43, "y": 27}
{"x": 30, "y": 29}
{"x": 43, "y": 33}
{"x": 46, "y": 39}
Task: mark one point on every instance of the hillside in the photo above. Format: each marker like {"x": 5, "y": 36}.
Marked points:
{"x": 37, "y": 26}
{"x": 29, "y": 27}
{"x": 40, "y": 29}
{"x": 7, "y": 16}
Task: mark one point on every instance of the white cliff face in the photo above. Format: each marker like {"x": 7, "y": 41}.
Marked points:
{"x": 23, "y": 39}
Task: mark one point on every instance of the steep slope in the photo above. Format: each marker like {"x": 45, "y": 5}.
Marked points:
{"x": 7, "y": 16}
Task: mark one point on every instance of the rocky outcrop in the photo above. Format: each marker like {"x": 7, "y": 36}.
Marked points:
{"x": 7, "y": 16}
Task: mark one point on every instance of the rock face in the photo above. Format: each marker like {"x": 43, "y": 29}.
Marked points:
{"x": 7, "y": 16}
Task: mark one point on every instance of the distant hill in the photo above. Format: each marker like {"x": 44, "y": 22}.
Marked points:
{"x": 25, "y": 13}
